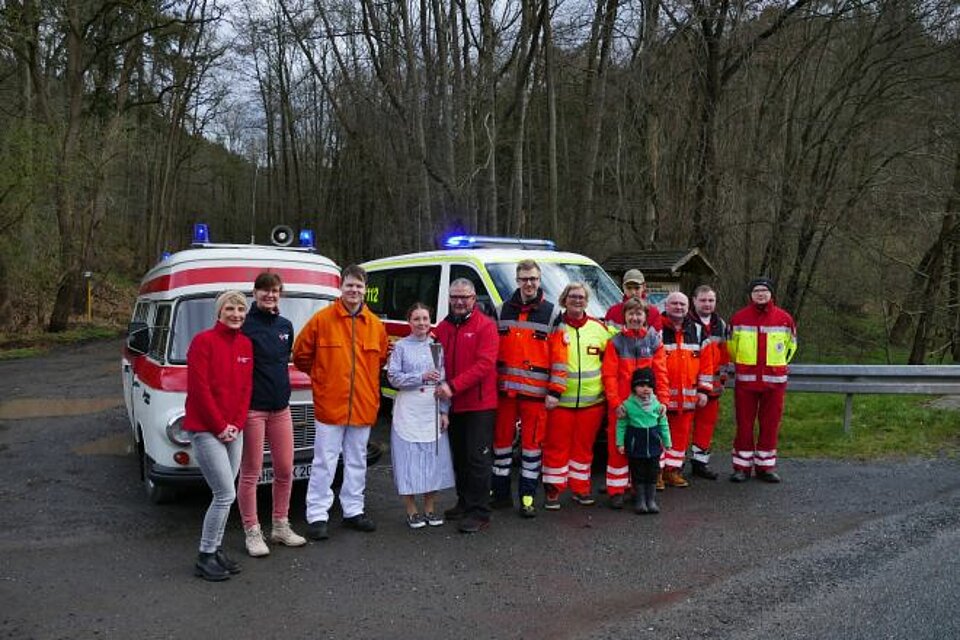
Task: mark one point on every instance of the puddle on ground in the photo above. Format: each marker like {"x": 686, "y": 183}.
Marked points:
{"x": 116, "y": 445}
{"x": 23, "y": 408}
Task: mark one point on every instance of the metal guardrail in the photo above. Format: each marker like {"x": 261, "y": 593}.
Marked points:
{"x": 851, "y": 379}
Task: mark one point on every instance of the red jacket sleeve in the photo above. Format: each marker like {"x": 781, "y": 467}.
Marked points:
{"x": 608, "y": 374}
{"x": 707, "y": 367}
{"x": 659, "y": 364}
{"x": 558, "y": 361}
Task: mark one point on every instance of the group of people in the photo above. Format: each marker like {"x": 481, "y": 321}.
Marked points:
{"x": 542, "y": 374}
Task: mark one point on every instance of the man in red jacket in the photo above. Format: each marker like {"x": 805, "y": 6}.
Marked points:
{"x": 634, "y": 286}
{"x": 469, "y": 340}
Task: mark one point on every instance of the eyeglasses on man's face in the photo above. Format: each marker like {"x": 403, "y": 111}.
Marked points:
{"x": 529, "y": 279}
{"x": 463, "y": 297}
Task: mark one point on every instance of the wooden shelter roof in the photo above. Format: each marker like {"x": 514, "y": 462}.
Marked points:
{"x": 671, "y": 262}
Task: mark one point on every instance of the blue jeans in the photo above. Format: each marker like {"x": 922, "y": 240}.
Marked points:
{"x": 219, "y": 463}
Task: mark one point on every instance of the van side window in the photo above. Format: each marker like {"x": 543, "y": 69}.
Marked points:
{"x": 160, "y": 333}
{"x": 141, "y": 311}
{"x": 408, "y": 285}
{"x": 484, "y": 301}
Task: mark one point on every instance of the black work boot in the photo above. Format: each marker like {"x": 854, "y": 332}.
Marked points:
{"x": 701, "y": 470}
{"x": 209, "y": 569}
{"x": 651, "y": 492}
{"x": 231, "y": 566}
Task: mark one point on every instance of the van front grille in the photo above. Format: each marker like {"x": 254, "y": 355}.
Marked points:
{"x": 304, "y": 430}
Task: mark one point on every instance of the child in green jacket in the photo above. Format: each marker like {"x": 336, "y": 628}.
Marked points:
{"x": 642, "y": 435}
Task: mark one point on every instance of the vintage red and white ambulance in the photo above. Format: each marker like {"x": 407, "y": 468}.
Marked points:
{"x": 175, "y": 302}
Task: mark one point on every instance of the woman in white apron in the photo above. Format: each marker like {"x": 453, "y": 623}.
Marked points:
{"x": 420, "y": 449}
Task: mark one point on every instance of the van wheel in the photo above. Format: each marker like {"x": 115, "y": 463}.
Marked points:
{"x": 157, "y": 494}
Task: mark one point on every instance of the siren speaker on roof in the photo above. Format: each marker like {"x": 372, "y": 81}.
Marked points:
{"x": 281, "y": 235}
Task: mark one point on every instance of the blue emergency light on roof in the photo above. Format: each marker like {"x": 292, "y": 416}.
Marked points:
{"x": 165, "y": 256}
{"x": 201, "y": 233}
{"x": 497, "y": 242}
{"x": 306, "y": 239}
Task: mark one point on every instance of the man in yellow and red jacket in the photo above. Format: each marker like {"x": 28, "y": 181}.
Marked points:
{"x": 531, "y": 377}
{"x": 690, "y": 378}
{"x": 705, "y": 420}
{"x": 763, "y": 339}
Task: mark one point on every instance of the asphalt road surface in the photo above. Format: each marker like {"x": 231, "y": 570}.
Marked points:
{"x": 845, "y": 550}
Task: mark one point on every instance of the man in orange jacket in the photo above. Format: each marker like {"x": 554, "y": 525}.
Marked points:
{"x": 531, "y": 377}
{"x": 690, "y": 375}
{"x": 342, "y": 347}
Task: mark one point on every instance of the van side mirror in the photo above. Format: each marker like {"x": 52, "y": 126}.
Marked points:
{"x": 138, "y": 338}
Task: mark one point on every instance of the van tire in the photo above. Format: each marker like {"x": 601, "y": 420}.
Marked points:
{"x": 157, "y": 494}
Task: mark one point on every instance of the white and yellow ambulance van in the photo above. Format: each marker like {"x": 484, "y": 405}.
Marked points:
{"x": 395, "y": 283}
{"x": 175, "y": 302}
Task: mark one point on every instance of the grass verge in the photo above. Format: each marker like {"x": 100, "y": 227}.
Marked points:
{"x": 883, "y": 426}
{"x": 27, "y": 345}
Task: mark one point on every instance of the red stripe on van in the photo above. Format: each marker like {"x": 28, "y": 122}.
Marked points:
{"x": 173, "y": 378}
{"x": 160, "y": 377}
{"x": 211, "y": 275}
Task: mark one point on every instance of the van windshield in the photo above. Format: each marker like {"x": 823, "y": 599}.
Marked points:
{"x": 193, "y": 315}
{"x": 554, "y": 276}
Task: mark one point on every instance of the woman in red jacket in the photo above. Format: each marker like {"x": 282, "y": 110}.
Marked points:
{"x": 636, "y": 347}
{"x": 219, "y": 384}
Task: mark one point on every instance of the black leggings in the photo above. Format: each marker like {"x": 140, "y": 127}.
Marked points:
{"x": 644, "y": 470}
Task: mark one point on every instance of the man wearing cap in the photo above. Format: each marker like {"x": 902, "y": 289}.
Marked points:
{"x": 763, "y": 339}
{"x": 634, "y": 286}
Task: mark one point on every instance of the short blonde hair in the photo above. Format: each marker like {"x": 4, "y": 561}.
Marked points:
{"x": 528, "y": 264}
{"x": 234, "y": 297}
{"x": 570, "y": 287}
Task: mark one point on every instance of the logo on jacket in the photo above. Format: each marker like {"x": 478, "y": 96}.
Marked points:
{"x": 284, "y": 337}
{"x": 243, "y": 359}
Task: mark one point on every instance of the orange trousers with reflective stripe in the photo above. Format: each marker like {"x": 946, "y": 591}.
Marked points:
{"x": 569, "y": 445}
{"x": 532, "y": 414}
{"x": 681, "y": 423}
{"x": 618, "y": 467}
{"x": 704, "y": 423}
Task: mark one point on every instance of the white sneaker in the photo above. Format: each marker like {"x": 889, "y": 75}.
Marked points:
{"x": 256, "y": 545}
{"x": 282, "y": 533}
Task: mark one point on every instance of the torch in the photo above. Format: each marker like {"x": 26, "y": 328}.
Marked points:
{"x": 436, "y": 352}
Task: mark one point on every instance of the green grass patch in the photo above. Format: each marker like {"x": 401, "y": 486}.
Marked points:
{"x": 30, "y": 344}
{"x": 15, "y": 354}
{"x": 883, "y": 426}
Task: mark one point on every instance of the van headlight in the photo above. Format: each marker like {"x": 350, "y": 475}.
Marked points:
{"x": 176, "y": 433}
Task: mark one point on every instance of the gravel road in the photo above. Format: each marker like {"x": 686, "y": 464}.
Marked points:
{"x": 839, "y": 550}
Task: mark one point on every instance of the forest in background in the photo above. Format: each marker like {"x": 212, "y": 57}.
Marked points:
{"x": 815, "y": 142}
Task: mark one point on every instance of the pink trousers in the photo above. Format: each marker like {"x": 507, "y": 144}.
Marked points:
{"x": 277, "y": 428}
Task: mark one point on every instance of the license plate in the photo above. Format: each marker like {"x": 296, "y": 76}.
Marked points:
{"x": 301, "y": 471}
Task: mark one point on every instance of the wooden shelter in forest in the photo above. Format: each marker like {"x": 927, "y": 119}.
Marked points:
{"x": 665, "y": 270}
